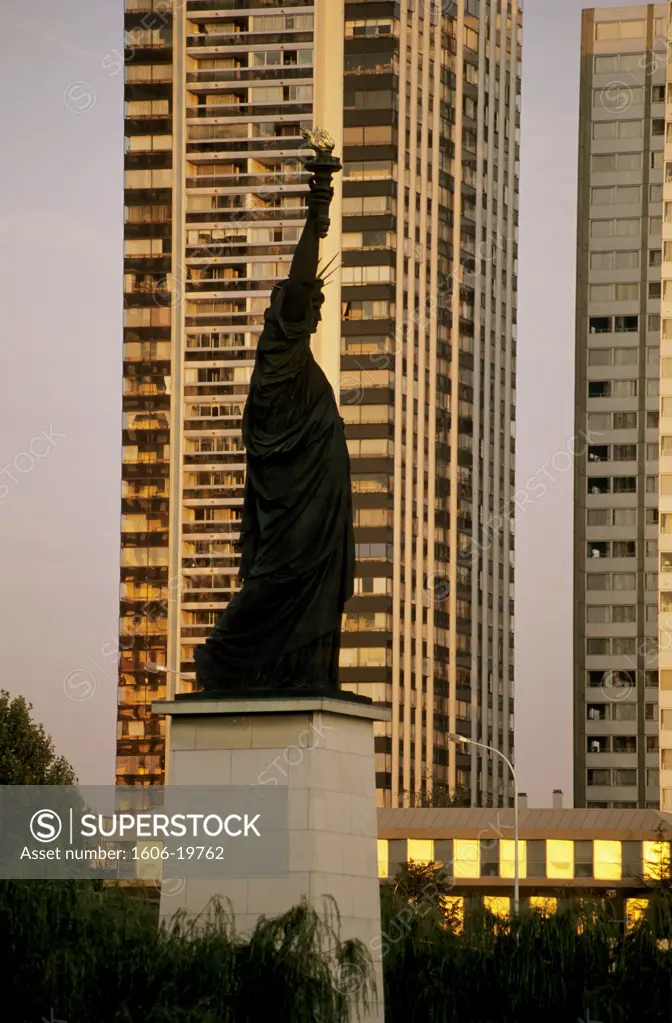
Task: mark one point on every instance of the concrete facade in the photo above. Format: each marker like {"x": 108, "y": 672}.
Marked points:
{"x": 322, "y": 750}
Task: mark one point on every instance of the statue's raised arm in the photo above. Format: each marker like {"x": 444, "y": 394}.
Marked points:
{"x": 282, "y": 629}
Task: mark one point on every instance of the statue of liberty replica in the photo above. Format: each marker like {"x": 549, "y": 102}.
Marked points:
{"x": 282, "y": 629}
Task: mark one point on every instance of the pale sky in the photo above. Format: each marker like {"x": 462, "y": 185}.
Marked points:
{"x": 60, "y": 316}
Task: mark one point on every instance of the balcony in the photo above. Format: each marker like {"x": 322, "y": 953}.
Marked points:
{"x": 251, "y": 75}
{"x": 288, "y": 108}
{"x": 250, "y": 181}
{"x": 146, "y": 6}
{"x": 243, "y": 6}
{"x": 243, "y": 40}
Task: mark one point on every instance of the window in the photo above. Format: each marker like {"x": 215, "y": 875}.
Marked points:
{"x": 420, "y": 851}
{"x": 606, "y": 860}
{"x": 466, "y": 857}
{"x": 600, "y": 324}
{"x": 629, "y": 162}
{"x": 635, "y": 910}
{"x": 655, "y": 225}
{"x": 602, "y": 260}
{"x": 624, "y": 389}
{"x": 655, "y": 257}
{"x": 621, "y": 645}
{"x": 603, "y": 196}
{"x": 602, "y": 163}
{"x": 598, "y": 517}
{"x": 597, "y": 613}
{"x": 633, "y": 29}
{"x": 627, "y": 227}
{"x": 599, "y": 357}
{"x": 627, "y": 260}
{"x": 624, "y": 712}
{"x": 628, "y": 194}
{"x": 618, "y": 97}
{"x": 383, "y": 858}
{"x": 624, "y": 744}
{"x": 627, "y": 292}
{"x": 657, "y": 93}
{"x": 625, "y": 776}
{"x": 596, "y": 712}
{"x": 626, "y": 356}
{"x": 598, "y": 646}
{"x": 624, "y": 613}
{"x": 560, "y": 857}
{"x": 599, "y": 389}
{"x": 597, "y": 581}
{"x": 625, "y": 420}
{"x": 654, "y": 291}
{"x": 653, "y": 321}
{"x": 626, "y": 324}
{"x": 624, "y": 452}
{"x": 605, "y": 129}
{"x": 507, "y": 858}
{"x": 604, "y": 228}
{"x": 623, "y": 581}
{"x": 544, "y": 904}
{"x": 625, "y": 516}
{"x": 656, "y": 859}
{"x": 601, "y": 293}
{"x": 625, "y": 485}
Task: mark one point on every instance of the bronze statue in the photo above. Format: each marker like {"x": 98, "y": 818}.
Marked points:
{"x": 282, "y": 629}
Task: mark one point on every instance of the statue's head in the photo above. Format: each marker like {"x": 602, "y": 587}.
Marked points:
{"x": 316, "y": 303}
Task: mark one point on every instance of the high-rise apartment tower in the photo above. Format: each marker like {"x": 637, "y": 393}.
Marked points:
{"x": 423, "y": 100}
{"x": 623, "y": 118}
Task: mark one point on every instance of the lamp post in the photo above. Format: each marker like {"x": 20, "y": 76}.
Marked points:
{"x": 453, "y": 737}
{"x": 160, "y": 669}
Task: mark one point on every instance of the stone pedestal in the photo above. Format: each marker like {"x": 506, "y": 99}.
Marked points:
{"x": 321, "y": 749}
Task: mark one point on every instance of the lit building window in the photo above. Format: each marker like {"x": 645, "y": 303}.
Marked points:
{"x": 453, "y": 908}
{"x": 383, "y": 859}
{"x": 544, "y": 904}
{"x": 507, "y": 858}
{"x": 656, "y": 857}
{"x": 634, "y": 911}
{"x": 498, "y": 905}
{"x": 607, "y": 860}
{"x": 420, "y": 850}
{"x": 559, "y": 858}
{"x": 466, "y": 857}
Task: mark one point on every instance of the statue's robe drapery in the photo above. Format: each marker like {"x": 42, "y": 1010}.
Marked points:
{"x": 282, "y": 629}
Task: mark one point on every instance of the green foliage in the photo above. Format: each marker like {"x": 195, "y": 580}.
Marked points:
{"x": 437, "y": 793}
{"x": 572, "y": 965}
{"x": 27, "y": 754}
{"x": 92, "y": 955}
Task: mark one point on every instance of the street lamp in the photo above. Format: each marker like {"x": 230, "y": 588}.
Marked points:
{"x": 453, "y": 737}
{"x": 160, "y": 669}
